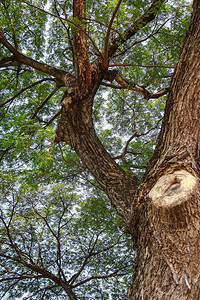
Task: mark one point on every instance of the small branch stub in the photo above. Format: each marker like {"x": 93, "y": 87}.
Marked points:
{"x": 173, "y": 189}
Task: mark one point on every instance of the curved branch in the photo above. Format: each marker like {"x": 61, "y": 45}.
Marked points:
{"x": 125, "y": 84}
{"x": 78, "y": 131}
{"x": 25, "y": 89}
{"x": 5, "y": 151}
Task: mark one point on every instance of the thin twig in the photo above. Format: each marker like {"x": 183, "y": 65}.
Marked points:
{"x": 53, "y": 118}
{"x": 25, "y": 89}
{"x": 62, "y": 153}
{"x": 105, "y": 55}
{"x": 42, "y": 289}
{"x": 67, "y": 20}
{"x": 44, "y": 102}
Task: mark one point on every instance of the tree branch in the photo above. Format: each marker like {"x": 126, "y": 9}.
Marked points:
{"x": 141, "y": 66}
{"x": 25, "y": 89}
{"x": 80, "y": 134}
{"x": 53, "y": 118}
{"x": 105, "y": 55}
{"x": 43, "y": 103}
{"x": 42, "y": 289}
{"x": 67, "y": 20}
{"x": 8, "y": 62}
{"x": 140, "y": 89}
{"x": 5, "y": 151}
{"x": 88, "y": 255}
{"x": 139, "y": 23}
{"x": 113, "y": 86}
{"x": 81, "y": 55}
{"x": 32, "y": 267}
{"x": 113, "y": 274}
{"x": 22, "y": 59}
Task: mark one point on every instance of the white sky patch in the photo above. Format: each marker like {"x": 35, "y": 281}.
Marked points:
{"x": 47, "y": 6}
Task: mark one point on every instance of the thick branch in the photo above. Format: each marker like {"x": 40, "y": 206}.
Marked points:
{"x": 22, "y": 59}
{"x": 8, "y": 62}
{"x": 140, "y": 89}
{"x": 141, "y": 22}
{"x": 76, "y": 129}
{"x": 81, "y": 55}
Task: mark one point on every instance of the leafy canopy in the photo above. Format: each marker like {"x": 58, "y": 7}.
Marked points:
{"x": 53, "y": 213}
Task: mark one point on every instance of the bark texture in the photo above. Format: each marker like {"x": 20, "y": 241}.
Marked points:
{"x": 76, "y": 126}
{"x": 168, "y": 237}
{"x": 76, "y": 129}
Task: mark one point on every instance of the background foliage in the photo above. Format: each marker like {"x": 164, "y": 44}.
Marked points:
{"x": 51, "y": 207}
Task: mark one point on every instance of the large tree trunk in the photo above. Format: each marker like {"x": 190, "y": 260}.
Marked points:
{"x": 165, "y": 209}
{"x": 164, "y": 219}
{"x": 162, "y": 212}
{"x": 167, "y": 206}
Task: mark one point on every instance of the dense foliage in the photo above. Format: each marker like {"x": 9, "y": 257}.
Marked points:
{"x": 53, "y": 213}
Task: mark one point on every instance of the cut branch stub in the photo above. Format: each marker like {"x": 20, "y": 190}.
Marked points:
{"x": 173, "y": 189}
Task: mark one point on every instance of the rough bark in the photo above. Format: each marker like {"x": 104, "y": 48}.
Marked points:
{"x": 168, "y": 232}
{"x": 76, "y": 129}
{"x": 81, "y": 56}
{"x": 76, "y": 125}
{"x": 165, "y": 229}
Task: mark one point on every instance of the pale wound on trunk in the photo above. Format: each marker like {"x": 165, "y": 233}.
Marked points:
{"x": 173, "y": 189}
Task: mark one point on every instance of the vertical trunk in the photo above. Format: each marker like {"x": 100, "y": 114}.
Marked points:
{"x": 81, "y": 57}
{"x": 69, "y": 291}
{"x": 167, "y": 248}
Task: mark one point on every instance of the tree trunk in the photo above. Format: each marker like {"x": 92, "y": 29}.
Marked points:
{"x": 163, "y": 211}
{"x": 167, "y": 205}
